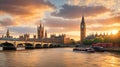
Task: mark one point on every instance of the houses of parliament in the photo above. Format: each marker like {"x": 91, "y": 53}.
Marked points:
{"x": 40, "y": 32}
{"x": 41, "y": 36}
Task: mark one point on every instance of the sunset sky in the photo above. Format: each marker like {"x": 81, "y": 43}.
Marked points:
{"x": 59, "y": 16}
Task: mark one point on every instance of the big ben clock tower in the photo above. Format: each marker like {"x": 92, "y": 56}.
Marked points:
{"x": 83, "y": 29}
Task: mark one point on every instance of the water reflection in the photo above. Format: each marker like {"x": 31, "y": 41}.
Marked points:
{"x": 58, "y": 57}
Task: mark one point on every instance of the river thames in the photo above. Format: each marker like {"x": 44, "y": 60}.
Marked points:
{"x": 58, "y": 57}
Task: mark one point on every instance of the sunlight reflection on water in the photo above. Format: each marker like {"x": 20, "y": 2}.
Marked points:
{"x": 58, "y": 57}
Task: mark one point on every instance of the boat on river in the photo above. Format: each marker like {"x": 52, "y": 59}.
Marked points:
{"x": 98, "y": 49}
{"x": 91, "y": 50}
{"x": 1, "y": 48}
{"x": 20, "y": 48}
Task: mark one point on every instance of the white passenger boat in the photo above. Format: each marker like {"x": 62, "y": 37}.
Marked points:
{"x": 20, "y": 48}
{"x": 1, "y": 48}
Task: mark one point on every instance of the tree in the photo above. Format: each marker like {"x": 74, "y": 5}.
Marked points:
{"x": 106, "y": 39}
{"x": 87, "y": 41}
{"x": 98, "y": 40}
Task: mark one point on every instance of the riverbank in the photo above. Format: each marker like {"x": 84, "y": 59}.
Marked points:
{"x": 112, "y": 49}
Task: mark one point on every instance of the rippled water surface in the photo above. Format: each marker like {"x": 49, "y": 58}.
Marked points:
{"x": 58, "y": 57}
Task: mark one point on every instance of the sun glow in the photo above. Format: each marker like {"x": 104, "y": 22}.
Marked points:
{"x": 114, "y": 31}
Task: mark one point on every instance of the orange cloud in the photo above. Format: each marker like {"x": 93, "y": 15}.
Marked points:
{"x": 7, "y": 22}
{"x": 106, "y": 21}
{"x": 104, "y": 24}
{"x": 58, "y": 25}
{"x": 24, "y": 11}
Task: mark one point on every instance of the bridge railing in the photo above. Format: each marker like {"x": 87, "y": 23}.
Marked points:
{"x": 23, "y": 42}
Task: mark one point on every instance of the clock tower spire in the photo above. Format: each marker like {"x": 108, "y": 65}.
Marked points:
{"x": 83, "y": 29}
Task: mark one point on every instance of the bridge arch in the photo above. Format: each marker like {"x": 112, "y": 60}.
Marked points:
{"x": 38, "y": 46}
{"x": 29, "y": 46}
{"x": 58, "y": 45}
{"x": 55, "y": 45}
{"x": 45, "y": 45}
{"x": 51, "y": 46}
{"x": 8, "y": 46}
{"x": 20, "y": 45}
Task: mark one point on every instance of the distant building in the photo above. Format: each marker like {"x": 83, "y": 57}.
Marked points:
{"x": 40, "y": 31}
{"x": 7, "y": 34}
{"x": 92, "y": 36}
{"x": 83, "y": 29}
{"x": 21, "y": 37}
{"x": 61, "y": 39}
{"x": 24, "y": 37}
{"x": 34, "y": 36}
{"x": 103, "y": 36}
{"x": 42, "y": 37}
{"x": 45, "y": 33}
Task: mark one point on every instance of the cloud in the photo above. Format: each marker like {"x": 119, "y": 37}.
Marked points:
{"x": 73, "y": 2}
{"x": 20, "y": 7}
{"x": 58, "y": 25}
{"x": 25, "y": 11}
{"x": 23, "y": 15}
{"x": 73, "y": 11}
{"x": 107, "y": 3}
{"x": 104, "y": 28}
{"x": 22, "y": 30}
{"x": 104, "y": 24}
{"x": 7, "y": 22}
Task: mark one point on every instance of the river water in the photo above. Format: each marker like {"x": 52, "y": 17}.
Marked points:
{"x": 58, "y": 57}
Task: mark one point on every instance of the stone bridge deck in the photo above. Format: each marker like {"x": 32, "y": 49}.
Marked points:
{"x": 27, "y": 44}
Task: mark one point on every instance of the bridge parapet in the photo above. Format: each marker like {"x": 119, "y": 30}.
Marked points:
{"x": 16, "y": 43}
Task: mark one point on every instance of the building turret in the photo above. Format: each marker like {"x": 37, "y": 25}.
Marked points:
{"x": 8, "y": 33}
{"x": 40, "y": 31}
{"x": 45, "y": 33}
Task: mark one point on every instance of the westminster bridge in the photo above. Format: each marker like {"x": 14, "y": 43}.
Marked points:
{"x": 9, "y": 44}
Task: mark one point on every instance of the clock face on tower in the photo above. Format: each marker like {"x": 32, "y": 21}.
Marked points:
{"x": 82, "y": 26}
